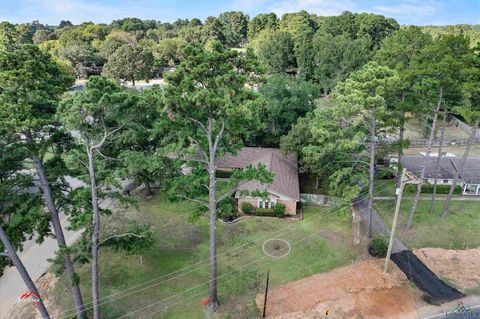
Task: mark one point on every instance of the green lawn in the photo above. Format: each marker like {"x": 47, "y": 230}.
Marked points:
{"x": 320, "y": 242}
{"x": 384, "y": 187}
{"x": 460, "y": 230}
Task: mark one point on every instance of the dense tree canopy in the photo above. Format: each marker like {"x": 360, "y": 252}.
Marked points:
{"x": 286, "y": 99}
{"x": 276, "y": 51}
{"x": 130, "y": 62}
{"x": 234, "y": 27}
{"x": 328, "y": 60}
{"x": 114, "y": 41}
{"x": 261, "y": 22}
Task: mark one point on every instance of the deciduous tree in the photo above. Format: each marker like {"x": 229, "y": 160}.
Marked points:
{"x": 286, "y": 99}
{"x": 262, "y": 21}
{"x": 234, "y": 27}
{"x": 129, "y": 62}
{"x": 276, "y": 51}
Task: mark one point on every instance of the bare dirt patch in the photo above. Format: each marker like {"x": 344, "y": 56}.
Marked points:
{"x": 360, "y": 290}
{"x": 459, "y": 267}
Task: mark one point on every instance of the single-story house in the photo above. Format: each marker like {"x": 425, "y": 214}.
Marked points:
{"x": 285, "y": 187}
{"x": 469, "y": 178}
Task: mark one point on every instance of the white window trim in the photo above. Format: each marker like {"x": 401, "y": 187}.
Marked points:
{"x": 261, "y": 203}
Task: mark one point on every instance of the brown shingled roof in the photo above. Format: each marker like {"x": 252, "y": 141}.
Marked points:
{"x": 285, "y": 168}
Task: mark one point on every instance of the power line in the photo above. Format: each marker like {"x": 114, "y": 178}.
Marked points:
{"x": 195, "y": 269}
{"x": 206, "y": 263}
{"x": 220, "y": 276}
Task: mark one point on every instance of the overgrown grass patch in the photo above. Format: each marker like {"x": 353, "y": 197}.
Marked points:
{"x": 460, "y": 230}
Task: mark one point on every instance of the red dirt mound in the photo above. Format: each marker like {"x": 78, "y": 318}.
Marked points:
{"x": 360, "y": 290}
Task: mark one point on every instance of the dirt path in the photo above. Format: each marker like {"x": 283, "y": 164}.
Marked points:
{"x": 360, "y": 290}
{"x": 379, "y": 227}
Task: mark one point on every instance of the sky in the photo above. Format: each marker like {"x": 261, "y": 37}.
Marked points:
{"x": 419, "y": 12}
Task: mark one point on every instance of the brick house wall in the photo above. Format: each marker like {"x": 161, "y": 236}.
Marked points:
{"x": 290, "y": 206}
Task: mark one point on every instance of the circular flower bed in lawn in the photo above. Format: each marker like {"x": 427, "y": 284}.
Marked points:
{"x": 276, "y": 248}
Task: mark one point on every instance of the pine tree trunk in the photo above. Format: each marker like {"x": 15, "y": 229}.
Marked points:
{"x": 425, "y": 161}
{"x": 95, "y": 236}
{"x": 57, "y": 228}
{"x": 149, "y": 189}
{"x": 437, "y": 163}
{"x": 473, "y": 134}
{"x": 373, "y": 134}
{"x": 401, "y": 137}
{"x": 212, "y": 290}
{"x": 23, "y": 272}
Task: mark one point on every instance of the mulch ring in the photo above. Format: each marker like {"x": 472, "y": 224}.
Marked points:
{"x": 276, "y": 248}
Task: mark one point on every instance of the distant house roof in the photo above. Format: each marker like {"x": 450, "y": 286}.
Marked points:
{"x": 415, "y": 164}
{"x": 446, "y": 169}
{"x": 471, "y": 170}
{"x": 285, "y": 168}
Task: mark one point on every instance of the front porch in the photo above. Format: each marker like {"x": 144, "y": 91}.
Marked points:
{"x": 471, "y": 189}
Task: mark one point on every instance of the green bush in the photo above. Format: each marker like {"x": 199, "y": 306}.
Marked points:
{"x": 428, "y": 189}
{"x": 264, "y": 212}
{"x": 378, "y": 247}
{"x": 279, "y": 210}
{"x": 226, "y": 210}
{"x": 247, "y": 208}
{"x": 223, "y": 174}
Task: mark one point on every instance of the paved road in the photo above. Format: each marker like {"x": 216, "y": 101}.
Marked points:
{"x": 34, "y": 257}
{"x": 439, "y": 312}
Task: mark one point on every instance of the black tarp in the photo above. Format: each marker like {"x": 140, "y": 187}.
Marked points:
{"x": 424, "y": 278}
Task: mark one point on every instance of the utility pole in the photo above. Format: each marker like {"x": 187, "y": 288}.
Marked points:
{"x": 266, "y": 293}
{"x": 399, "y": 192}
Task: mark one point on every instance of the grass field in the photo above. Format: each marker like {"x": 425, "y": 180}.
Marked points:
{"x": 320, "y": 242}
{"x": 414, "y": 130}
{"x": 460, "y": 230}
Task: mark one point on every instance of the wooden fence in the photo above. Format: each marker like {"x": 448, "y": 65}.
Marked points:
{"x": 446, "y": 142}
{"x": 452, "y": 120}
